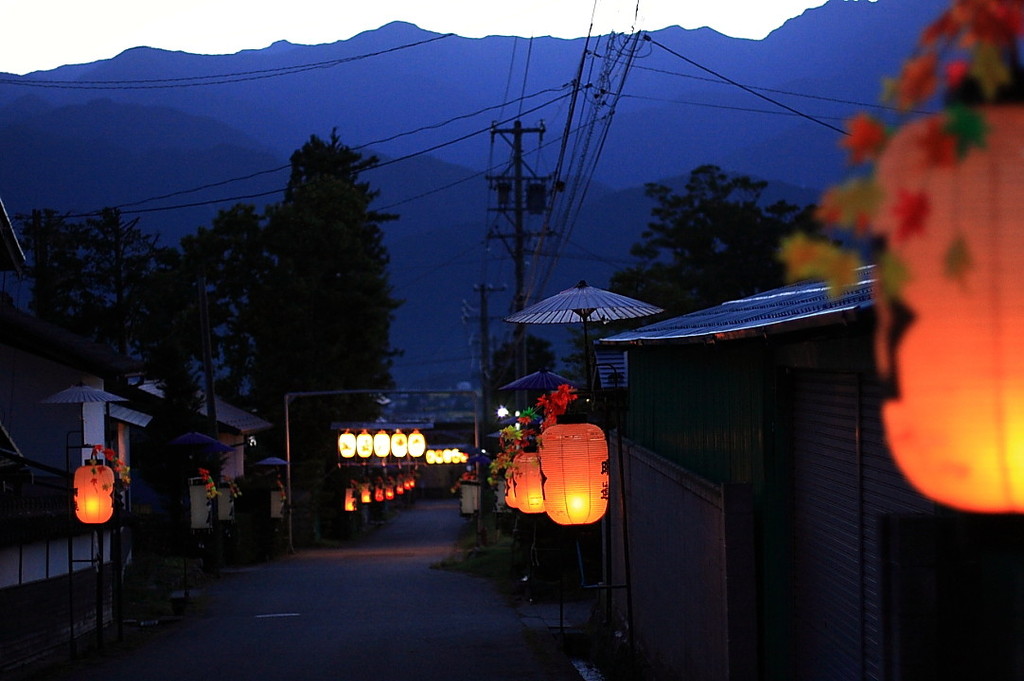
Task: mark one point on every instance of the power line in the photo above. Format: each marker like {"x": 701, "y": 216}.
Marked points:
{"x": 791, "y": 93}
{"x": 382, "y": 164}
{"x": 708, "y": 105}
{"x": 197, "y": 81}
{"x": 744, "y": 87}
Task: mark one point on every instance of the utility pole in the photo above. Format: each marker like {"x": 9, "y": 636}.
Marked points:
{"x": 520, "y": 191}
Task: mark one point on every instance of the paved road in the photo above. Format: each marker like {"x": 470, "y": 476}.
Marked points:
{"x": 372, "y": 610}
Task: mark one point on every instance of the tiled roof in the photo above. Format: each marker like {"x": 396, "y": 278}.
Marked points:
{"x": 783, "y": 309}
{"x": 28, "y": 333}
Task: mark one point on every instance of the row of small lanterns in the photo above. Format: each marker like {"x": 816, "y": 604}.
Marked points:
{"x": 567, "y": 479}
{"x": 399, "y": 445}
{"x": 384, "y": 490}
{"x": 364, "y": 445}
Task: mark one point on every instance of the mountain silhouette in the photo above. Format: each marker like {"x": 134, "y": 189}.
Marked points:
{"x": 149, "y": 123}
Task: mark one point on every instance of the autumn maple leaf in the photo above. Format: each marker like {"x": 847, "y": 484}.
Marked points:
{"x": 911, "y": 211}
{"x": 940, "y": 147}
{"x": 866, "y": 139}
{"x": 917, "y": 81}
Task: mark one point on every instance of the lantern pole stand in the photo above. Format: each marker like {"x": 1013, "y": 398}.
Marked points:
{"x": 624, "y": 511}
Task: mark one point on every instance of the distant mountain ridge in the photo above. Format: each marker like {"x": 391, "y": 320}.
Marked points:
{"x": 73, "y": 140}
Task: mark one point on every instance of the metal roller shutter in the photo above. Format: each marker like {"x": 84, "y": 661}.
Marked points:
{"x": 844, "y": 482}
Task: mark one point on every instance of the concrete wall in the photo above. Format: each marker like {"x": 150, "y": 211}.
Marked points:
{"x": 692, "y": 569}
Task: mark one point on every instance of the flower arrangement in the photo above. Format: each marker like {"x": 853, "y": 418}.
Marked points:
{"x": 211, "y": 486}
{"x": 983, "y": 35}
{"x": 233, "y": 488}
{"x": 528, "y": 429}
{"x": 120, "y": 468}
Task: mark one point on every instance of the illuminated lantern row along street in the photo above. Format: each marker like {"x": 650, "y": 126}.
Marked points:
{"x": 379, "y": 490}
{"x": 381, "y": 444}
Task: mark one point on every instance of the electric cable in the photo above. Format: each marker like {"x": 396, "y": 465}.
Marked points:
{"x": 745, "y": 88}
{"x": 382, "y": 164}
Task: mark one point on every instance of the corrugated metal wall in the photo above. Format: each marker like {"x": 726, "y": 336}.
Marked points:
{"x": 702, "y": 409}
{"x": 844, "y": 484}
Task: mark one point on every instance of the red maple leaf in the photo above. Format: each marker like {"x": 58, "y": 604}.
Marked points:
{"x": 939, "y": 146}
{"x": 866, "y": 138}
{"x": 911, "y": 212}
{"x": 917, "y": 81}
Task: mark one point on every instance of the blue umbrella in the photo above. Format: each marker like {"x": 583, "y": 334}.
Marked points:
{"x": 204, "y": 443}
{"x": 538, "y": 380}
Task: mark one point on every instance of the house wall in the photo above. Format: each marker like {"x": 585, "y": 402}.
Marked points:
{"x": 725, "y": 411}
{"x": 691, "y": 570}
{"x": 702, "y": 408}
{"x": 40, "y": 616}
{"x": 43, "y": 431}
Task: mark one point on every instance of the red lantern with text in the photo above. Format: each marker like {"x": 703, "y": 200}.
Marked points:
{"x": 574, "y": 461}
{"x": 529, "y": 487}
{"x": 94, "y": 490}
{"x": 956, "y": 423}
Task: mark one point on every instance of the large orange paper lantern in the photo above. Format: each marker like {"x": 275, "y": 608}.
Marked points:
{"x": 956, "y": 425}
{"x": 347, "y": 445}
{"x": 574, "y": 460}
{"x": 94, "y": 490}
{"x": 529, "y": 487}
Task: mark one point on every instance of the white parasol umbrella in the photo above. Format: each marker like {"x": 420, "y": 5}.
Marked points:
{"x": 82, "y": 394}
{"x": 583, "y": 303}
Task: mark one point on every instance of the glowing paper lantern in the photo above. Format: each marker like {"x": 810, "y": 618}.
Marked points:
{"x": 347, "y": 445}
{"x": 529, "y": 488}
{"x": 364, "y": 493}
{"x": 399, "y": 444}
{"x": 364, "y": 445}
{"x": 350, "y": 499}
{"x": 956, "y": 426}
{"x": 378, "y": 493}
{"x": 94, "y": 489}
{"x": 574, "y": 460}
{"x": 417, "y": 444}
{"x": 389, "y": 492}
{"x": 381, "y": 444}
